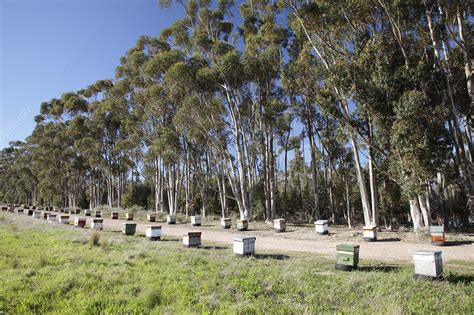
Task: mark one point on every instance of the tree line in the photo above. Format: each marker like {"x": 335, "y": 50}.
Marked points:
{"x": 354, "y": 111}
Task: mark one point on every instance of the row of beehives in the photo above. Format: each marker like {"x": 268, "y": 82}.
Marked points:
{"x": 428, "y": 264}
{"x": 279, "y": 225}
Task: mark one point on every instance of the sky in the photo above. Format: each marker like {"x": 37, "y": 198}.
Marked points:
{"x": 48, "y": 47}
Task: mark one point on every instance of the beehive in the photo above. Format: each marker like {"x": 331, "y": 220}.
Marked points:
{"x": 4, "y": 208}
{"x": 171, "y": 219}
{"x": 77, "y": 210}
{"x": 87, "y": 212}
{"x": 192, "y": 239}
{"x": 29, "y": 212}
{"x": 347, "y": 257}
{"x": 66, "y": 210}
{"x": 20, "y": 210}
{"x": 242, "y": 225}
{"x": 129, "y": 228}
{"x": 11, "y": 209}
{"x": 153, "y": 232}
{"x": 37, "y": 214}
{"x": 244, "y": 245}
{"x": 52, "y": 217}
{"x": 114, "y": 215}
{"x": 196, "y": 220}
{"x": 321, "y": 227}
{"x": 428, "y": 264}
{"x": 97, "y": 224}
{"x": 98, "y": 214}
{"x": 226, "y": 223}
{"x": 151, "y": 217}
{"x": 45, "y": 215}
{"x": 63, "y": 219}
{"x": 279, "y": 225}
{"x": 437, "y": 235}
{"x": 80, "y": 222}
{"x": 370, "y": 233}
{"x": 129, "y": 216}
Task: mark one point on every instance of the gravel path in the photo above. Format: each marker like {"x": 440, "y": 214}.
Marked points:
{"x": 387, "y": 251}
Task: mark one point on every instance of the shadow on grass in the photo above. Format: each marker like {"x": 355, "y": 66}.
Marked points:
{"x": 214, "y": 247}
{"x": 390, "y": 239}
{"x": 271, "y": 256}
{"x": 379, "y": 268}
{"x": 169, "y": 240}
{"x": 457, "y": 243}
{"x": 465, "y": 279}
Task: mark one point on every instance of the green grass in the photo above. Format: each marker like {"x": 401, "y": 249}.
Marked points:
{"x": 50, "y": 268}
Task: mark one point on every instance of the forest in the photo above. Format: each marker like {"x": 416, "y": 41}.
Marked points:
{"x": 359, "y": 112}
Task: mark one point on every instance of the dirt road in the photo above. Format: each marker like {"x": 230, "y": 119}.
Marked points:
{"x": 383, "y": 250}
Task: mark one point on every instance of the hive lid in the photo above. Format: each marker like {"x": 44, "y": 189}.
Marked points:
{"x": 194, "y": 233}
{"x": 129, "y": 223}
{"x": 241, "y": 238}
{"x": 438, "y": 228}
{"x": 154, "y": 227}
{"x": 279, "y": 220}
{"x": 347, "y": 247}
{"x": 427, "y": 252}
{"x": 321, "y": 222}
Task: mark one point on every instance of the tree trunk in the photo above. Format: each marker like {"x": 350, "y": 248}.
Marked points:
{"x": 415, "y": 214}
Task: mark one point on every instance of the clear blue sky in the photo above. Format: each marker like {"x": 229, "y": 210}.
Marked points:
{"x": 48, "y": 47}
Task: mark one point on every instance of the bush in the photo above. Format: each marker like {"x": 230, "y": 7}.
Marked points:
{"x": 94, "y": 239}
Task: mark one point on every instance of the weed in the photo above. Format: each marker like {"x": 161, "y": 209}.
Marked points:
{"x": 94, "y": 239}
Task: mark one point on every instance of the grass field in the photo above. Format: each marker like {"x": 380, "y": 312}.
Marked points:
{"x": 50, "y": 268}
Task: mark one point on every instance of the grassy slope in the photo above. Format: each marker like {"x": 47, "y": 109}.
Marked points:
{"x": 52, "y": 268}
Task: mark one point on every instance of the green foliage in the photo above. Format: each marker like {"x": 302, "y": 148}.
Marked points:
{"x": 135, "y": 275}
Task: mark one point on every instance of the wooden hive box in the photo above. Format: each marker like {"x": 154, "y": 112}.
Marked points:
{"x": 192, "y": 239}
{"x": 63, "y": 219}
{"x": 52, "y": 217}
{"x": 244, "y": 245}
{"x": 279, "y": 225}
{"x": 153, "y": 232}
{"x": 437, "y": 235}
{"x": 151, "y": 217}
{"x": 428, "y": 264}
{"x": 114, "y": 215}
{"x": 370, "y": 233}
{"x": 347, "y": 257}
{"x": 129, "y": 216}
{"x": 196, "y": 220}
{"x": 129, "y": 228}
{"x": 97, "y": 224}
{"x": 87, "y": 212}
{"x": 242, "y": 225}
{"x": 80, "y": 222}
{"x": 98, "y": 214}
{"x": 226, "y": 223}
{"x": 321, "y": 227}
{"x": 171, "y": 219}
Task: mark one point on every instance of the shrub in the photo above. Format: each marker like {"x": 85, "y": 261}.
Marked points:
{"x": 94, "y": 239}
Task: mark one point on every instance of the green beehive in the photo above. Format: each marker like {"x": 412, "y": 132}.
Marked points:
{"x": 347, "y": 257}
{"x": 129, "y": 228}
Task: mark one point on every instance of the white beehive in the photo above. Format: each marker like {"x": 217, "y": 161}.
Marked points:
{"x": 97, "y": 224}
{"x": 428, "y": 263}
{"x": 226, "y": 223}
{"x": 370, "y": 233}
{"x": 244, "y": 245}
{"x": 87, "y": 212}
{"x": 52, "y": 217}
{"x": 63, "y": 219}
{"x": 129, "y": 216}
{"x": 192, "y": 239}
{"x": 279, "y": 225}
{"x": 171, "y": 219}
{"x": 196, "y": 220}
{"x": 321, "y": 227}
{"x": 151, "y": 217}
{"x": 153, "y": 232}
{"x": 37, "y": 214}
